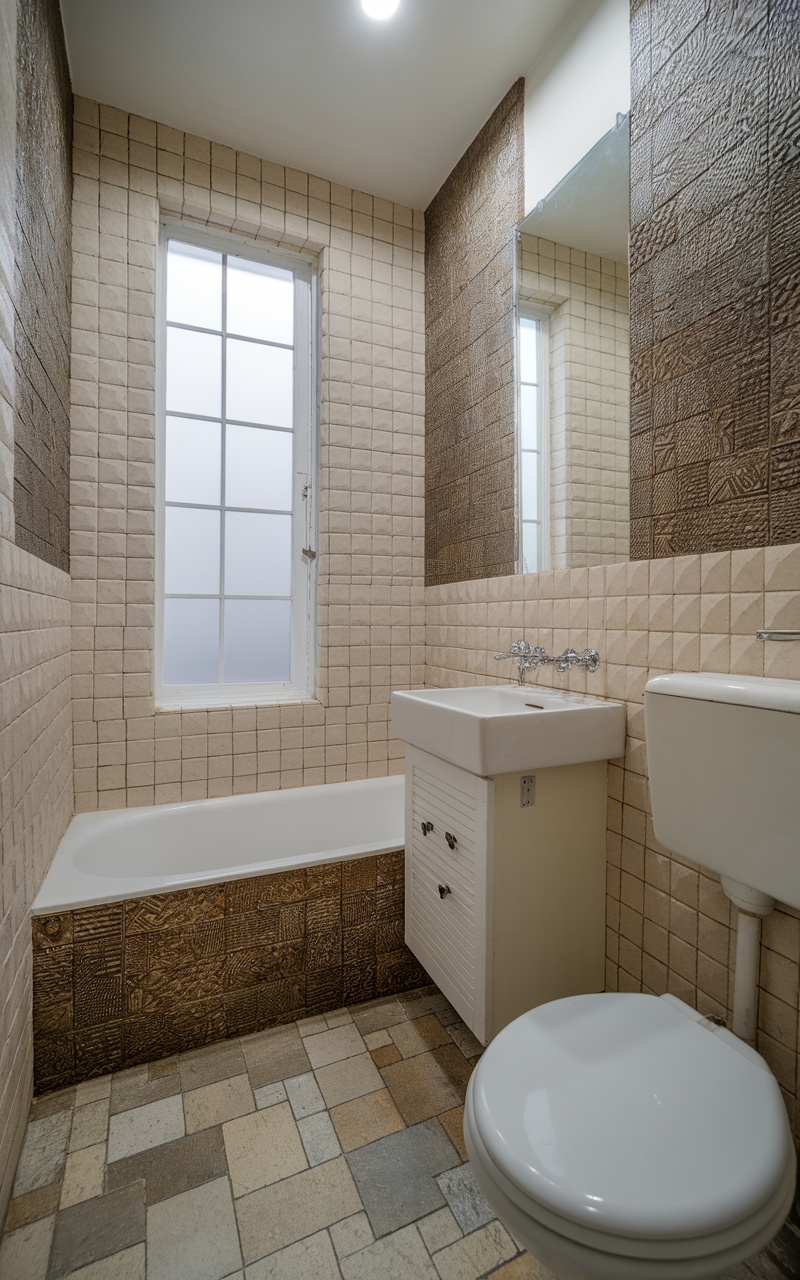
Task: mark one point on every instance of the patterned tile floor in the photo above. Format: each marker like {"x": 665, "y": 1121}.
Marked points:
{"x": 328, "y": 1149}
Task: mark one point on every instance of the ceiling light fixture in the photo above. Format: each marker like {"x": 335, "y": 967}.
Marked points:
{"x": 380, "y": 9}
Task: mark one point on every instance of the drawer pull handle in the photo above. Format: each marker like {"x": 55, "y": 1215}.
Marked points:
{"x": 426, "y": 827}
{"x": 444, "y": 889}
{"x": 451, "y": 840}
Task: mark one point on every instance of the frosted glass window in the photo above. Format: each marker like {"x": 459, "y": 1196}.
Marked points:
{"x": 194, "y": 372}
{"x": 530, "y": 485}
{"x": 529, "y": 417}
{"x": 191, "y": 642}
{"x": 260, "y": 383}
{"x": 527, "y": 350}
{"x": 258, "y": 640}
{"x": 193, "y": 461}
{"x": 258, "y": 554}
{"x": 258, "y": 468}
{"x": 530, "y": 547}
{"x": 191, "y": 551}
{"x": 260, "y": 301}
{"x": 194, "y": 286}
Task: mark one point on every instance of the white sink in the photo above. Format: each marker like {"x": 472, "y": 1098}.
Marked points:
{"x": 494, "y": 729}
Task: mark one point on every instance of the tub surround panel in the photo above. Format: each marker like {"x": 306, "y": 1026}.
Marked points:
{"x": 369, "y": 252}
{"x": 470, "y": 529}
{"x": 715, "y": 228}
{"x": 42, "y": 283}
{"x": 669, "y": 926}
{"x": 128, "y": 982}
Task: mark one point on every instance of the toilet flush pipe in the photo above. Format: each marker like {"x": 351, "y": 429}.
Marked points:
{"x": 752, "y": 905}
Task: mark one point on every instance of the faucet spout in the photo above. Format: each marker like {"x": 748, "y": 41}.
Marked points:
{"x": 528, "y": 657}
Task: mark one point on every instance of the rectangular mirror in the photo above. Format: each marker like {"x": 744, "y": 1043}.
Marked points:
{"x": 573, "y": 366}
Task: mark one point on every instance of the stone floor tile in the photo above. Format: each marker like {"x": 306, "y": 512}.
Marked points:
{"x": 385, "y": 1055}
{"x": 333, "y": 1046}
{"x": 351, "y": 1235}
{"x": 173, "y": 1167}
{"x": 396, "y": 1176}
{"x": 465, "y": 1198}
{"x": 455, "y": 1066}
{"x": 424, "y": 1000}
{"x": 420, "y": 1087}
{"x": 89, "y": 1125}
{"x": 312, "y": 1026}
{"x": 338, "y": 1018}
{"x": 378, "y": 1014}
{"x": 342, "y": 1081}
{"x": 366, "y": 1119}
{"x": 128, "y": 1264}
{"x": 475, "y": 1254}
{"x": 319, "y": 1138}
{"x": 44, "y": 1151}
{"x": 439, "y": 1229}
{"x": 262, "y": 1148}
{"x": 288, "y": 1211}
{"x": 135, "y": 1088}
{"x": 96, "y": 1228}
{"x": 304, "y": 1095}
{"x": 312, "y": 1257}
{"x": 207, "y": 1066}
{"x": 453, "y": 1124}
{"x": 92, "y": 1090}
{"x": 164, "y": 1067}
{"x": 274, "y": 1055}
{"x": 461, "y": 1036}
{"x": 50, "y": 1103}
{"x": 216, "y": 1103}
{"x": 29, "y": 1208}
{"x": 377, "y": 1039}
{"x": 269, "y": 1094}
{"x": 193, "y": 1236}
{"x": 397, "y": 1257}
{"x": 526, "y": 1267}
{"x": 419, "y": 1036}
{"x": 84, "y": 1175}
{"x": 24, "y": 1252}
{"x": 144, "y": 1127}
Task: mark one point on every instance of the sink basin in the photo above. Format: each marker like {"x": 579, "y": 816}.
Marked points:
{"x": 493, "y": 729}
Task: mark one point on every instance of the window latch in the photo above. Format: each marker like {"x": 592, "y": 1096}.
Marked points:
{"x": 309, "y": 553}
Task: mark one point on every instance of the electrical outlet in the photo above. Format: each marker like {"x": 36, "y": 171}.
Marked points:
{"x": 527, "y": 791}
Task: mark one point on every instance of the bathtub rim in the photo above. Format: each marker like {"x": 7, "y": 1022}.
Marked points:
{"x": 48, "y": 903}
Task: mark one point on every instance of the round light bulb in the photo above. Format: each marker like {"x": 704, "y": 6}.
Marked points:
{"x": 380, "y": 9}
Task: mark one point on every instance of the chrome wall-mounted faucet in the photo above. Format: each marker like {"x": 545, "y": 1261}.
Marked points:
{"x": 528, "y": 657}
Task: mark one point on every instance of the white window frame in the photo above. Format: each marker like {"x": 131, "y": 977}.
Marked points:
{"x": 304, "y": 506}
{"x": 532, "y": 311}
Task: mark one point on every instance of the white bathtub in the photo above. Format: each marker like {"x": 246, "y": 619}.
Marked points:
{"x": 131, "y": 853}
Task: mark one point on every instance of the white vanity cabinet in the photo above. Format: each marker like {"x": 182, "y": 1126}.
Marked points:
{"x": 505, "y": 902}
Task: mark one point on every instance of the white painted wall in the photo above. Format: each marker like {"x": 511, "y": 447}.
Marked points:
{"x": 574, "y": 92}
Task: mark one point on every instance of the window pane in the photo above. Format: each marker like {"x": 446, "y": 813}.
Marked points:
{"x": 527, "y": 350}
{"x": 191, "y": 552}
{"x": 260, "y": 301}
{"x": 193, "y": 461}
{"x": 530, "y": 548}
{"x": 258, "y": 468}
{"x": 191, "y": 642}
{"x": 257, "y": 640}
{"x": 529, "y": 426}
{"x": 194, "y": 373}
{"x": 194, "y": 286}
{"x": 257, "y": 554}
{"x": 530, "y": 485}
{"x": 259, "y": 383}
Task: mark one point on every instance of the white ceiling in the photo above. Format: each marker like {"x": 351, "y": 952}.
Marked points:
{"x": 384, "y": 107}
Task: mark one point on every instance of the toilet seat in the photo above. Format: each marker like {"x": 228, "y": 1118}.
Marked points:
{"x": 628, "y": 1125}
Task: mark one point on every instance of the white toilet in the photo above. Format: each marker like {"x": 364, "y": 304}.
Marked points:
{"x": 623, "y": 1136}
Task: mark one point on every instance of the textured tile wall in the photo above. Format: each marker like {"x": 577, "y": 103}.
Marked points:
{"x": 715, "y": 217}
{"x": 470, "y": 529}
{"x": 670, "y": 927}
{"x": 129, "y": 982}
{"x": 128, "y": 171}
{"x": 35, "y": 722}
{"x": 42, "y": 284}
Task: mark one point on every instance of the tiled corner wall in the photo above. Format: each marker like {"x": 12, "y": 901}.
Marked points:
{"x": 35, "y": 725}
{"x": 470, "y": 501}
{"x": 669, "y": 924}
{"x": 589, "y": 401}
{"x": 129, "y": 171}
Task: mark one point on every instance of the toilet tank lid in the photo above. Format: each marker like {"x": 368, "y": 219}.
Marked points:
{"x": 740, "y": 691}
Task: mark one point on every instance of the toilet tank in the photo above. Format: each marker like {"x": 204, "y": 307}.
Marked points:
{"x": 724, "y": 760}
